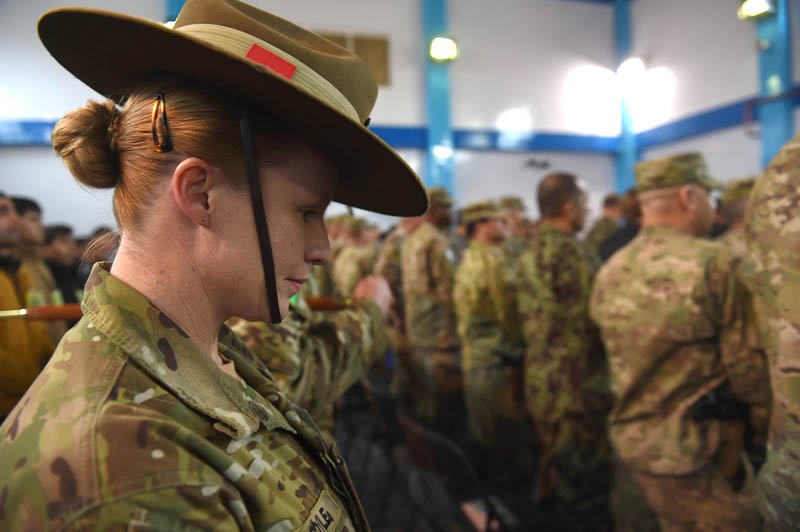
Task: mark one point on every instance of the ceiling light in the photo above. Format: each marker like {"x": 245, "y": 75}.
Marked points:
{"x": 443, "y": 49}
{"x": 755, "y": 8}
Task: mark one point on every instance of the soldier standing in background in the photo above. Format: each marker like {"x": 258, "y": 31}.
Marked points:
{"x": 566, "y": 377}
{"x": 733, "y": 206}
{"x": 773, "y": 276}
{"x": 430, "y": 318}
{"x": 514, "y": 209}
{"x": 320, "y": 282}
{"x": 684, "y": 361}
{"x": 608, "y": 223}
{"x": 488, "y": 325}
{"x": 356, "y": 258}
{"x": 631, "y": 220}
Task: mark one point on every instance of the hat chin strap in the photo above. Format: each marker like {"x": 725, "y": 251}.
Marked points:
{"x": 259, "y": 214}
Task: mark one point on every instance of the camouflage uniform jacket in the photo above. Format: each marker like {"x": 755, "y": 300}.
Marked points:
{"x": 321, "y": 280}
{"x": 602, "y": 229}
{"x": 516, "y": 244}
{"x": 486, "y": 307}
{"x": 676, "y": 324}
{"x": 132, "y": 426}
{"x": 566, "y": 372}
{"x": 316, "y": 356}
{"x": 353, "y": 264}
{"x": 734, "y": 240}
{"x": 428, "y": 290}
{"x": 773, "y": 275}
{"x": 389, "y": 264}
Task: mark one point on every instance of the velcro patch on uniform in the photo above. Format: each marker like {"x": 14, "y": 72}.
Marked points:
{"x": 327, "y": 515}
{"x": 272, "y": 61}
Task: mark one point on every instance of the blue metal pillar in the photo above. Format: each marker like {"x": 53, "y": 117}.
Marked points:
{"x": 775, "y": 73}
{"x": 439, "y": 157}
{"x": 627, "y": 152}
{"x": 173, "y": 8}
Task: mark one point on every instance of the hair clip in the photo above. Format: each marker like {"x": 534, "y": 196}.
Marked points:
{"x": 163, "y": 143}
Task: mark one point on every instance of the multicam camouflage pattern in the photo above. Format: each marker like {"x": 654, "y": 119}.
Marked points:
{"x": 315, "y": 356}
{"x": 737, "y": 190}
{"x": 491, "y": 339}
{"x": 390, "y": 266}
{"x": 673, "y": 171}
{"x": 602, "y": 229}
{"x": 735, "y": 240}
{"x": 676, "y": 324}
{"x": 351, "y": 265}
{"x": 566, "y": 376}
{"x": 773, "y": 275}
{"x": 428, "y": 289}
{"x": 131, "y": 426}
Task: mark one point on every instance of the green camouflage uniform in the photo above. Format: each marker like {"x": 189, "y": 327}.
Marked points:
{"x": 488, "y": 325}
{"x": 351, "y": 265}
{"x": 773, "y": 275}
{"x": 737, "y": 191}
{"x": 676, "y": 325}
{"x": 602, "y": 229}
{"x": 132, "y": 427}
{"x": 430, "y": 318}
{"x": 389, "y": 265}
{"x": 316, "y": 356}
{"x": 566, "y": 376}
{"x": 735, "y": 240}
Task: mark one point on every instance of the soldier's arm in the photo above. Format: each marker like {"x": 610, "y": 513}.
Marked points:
{"x": 740, "y": 345}
{"x": 180, "y": 507}
{"x": 316, "y": 356}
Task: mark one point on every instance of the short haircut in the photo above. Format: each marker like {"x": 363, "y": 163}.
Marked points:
{"x": 631, "y": 209}
{"x": 51, "y": 232}
{"x": 555, "y": 191}
{"x": 26, "y": 205}
{"x": 612, "y": 200}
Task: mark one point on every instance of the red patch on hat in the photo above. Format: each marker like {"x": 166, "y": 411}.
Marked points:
{"x": 272, "y": 61}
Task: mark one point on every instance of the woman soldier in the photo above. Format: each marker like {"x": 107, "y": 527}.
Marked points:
{"x": 233, "y": 129}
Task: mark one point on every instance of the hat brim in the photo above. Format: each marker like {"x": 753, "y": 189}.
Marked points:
{"x": 111, "y": 53}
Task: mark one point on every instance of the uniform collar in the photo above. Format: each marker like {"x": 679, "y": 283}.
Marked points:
{"x": 166, "y": 353}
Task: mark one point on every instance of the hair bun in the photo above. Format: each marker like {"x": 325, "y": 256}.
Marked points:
{"x": 85, "y": 140}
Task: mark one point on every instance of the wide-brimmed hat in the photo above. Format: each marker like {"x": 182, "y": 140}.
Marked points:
{"x": 320, "y": 89}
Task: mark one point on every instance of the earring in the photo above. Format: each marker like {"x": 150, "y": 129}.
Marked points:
{"x": 204, "y": 219}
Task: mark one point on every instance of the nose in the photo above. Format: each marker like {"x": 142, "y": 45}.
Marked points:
{"x": 318, "y": 249}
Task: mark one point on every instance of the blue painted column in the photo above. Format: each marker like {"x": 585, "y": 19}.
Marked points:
{"x": 627, "y": 152}
{"x": 775, "y": 73}
{"x": 439, "y": 157}
{"x": 173, "y": 8}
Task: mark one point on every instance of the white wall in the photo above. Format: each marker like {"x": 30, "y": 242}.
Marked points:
{"x": 533, "y": 54}
{"x": 709, "y": 51}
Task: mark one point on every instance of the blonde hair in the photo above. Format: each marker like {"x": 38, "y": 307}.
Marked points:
{"x": 107, "y": 146}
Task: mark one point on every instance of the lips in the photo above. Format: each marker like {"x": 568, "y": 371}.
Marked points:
{"x": 296, "y": 284}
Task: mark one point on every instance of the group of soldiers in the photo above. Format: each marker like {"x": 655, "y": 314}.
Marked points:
{"x": 632, "y": 395}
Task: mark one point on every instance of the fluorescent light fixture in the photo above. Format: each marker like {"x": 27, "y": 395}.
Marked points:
{"x": 755, "y": 8}
{"x": 442, "y": 153}
{"x": 631, "y": 69}
{"x": 443, "y": 49}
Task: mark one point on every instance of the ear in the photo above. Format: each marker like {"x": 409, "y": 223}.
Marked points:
{"x": 686, "y": 198}
{"x": 568, "y": 209}
{"x": 192, "y": 180}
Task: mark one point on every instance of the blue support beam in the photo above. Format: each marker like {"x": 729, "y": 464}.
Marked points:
{"x": 173, "y": 8}
{"x": 775, "y": 78}
{"x": 440, "y": 145}
{"x": 627, "y": 155}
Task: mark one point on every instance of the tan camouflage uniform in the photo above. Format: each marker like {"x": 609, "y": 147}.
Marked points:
{"x": 430, "y": 318}
{"x": 132, "y": 427}
{"x": 315, "y": 356}
{"x": 389, "y": 265}
{"x": 352, "y": 264}
{"x": 566, "y": 377}
{"x": 734, "y": 238}
{"x": 676, "y": 324}
{"x": 492, "y": 347}
{"x": 773, "y": 275}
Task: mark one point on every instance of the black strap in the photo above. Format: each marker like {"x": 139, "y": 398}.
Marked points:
{"x": 259, "y": 214}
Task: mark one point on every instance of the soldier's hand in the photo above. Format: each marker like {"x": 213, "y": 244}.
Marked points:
{"x": 376, "y": 289}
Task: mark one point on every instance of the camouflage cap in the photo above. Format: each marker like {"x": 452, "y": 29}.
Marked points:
{"x": 439, "y": 196}
{"x": 479, "y": 210}
{"x": 673, "y": 171}
{"x": 512, "y": 202}
{"x": 737, "y": 190}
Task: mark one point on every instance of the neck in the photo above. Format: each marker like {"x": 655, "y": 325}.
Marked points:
{"x": 665, "y": 220}
{"x": 30, "y": 251}
{"x": 186, "y": 302}
{"x": 560, "y": 223}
